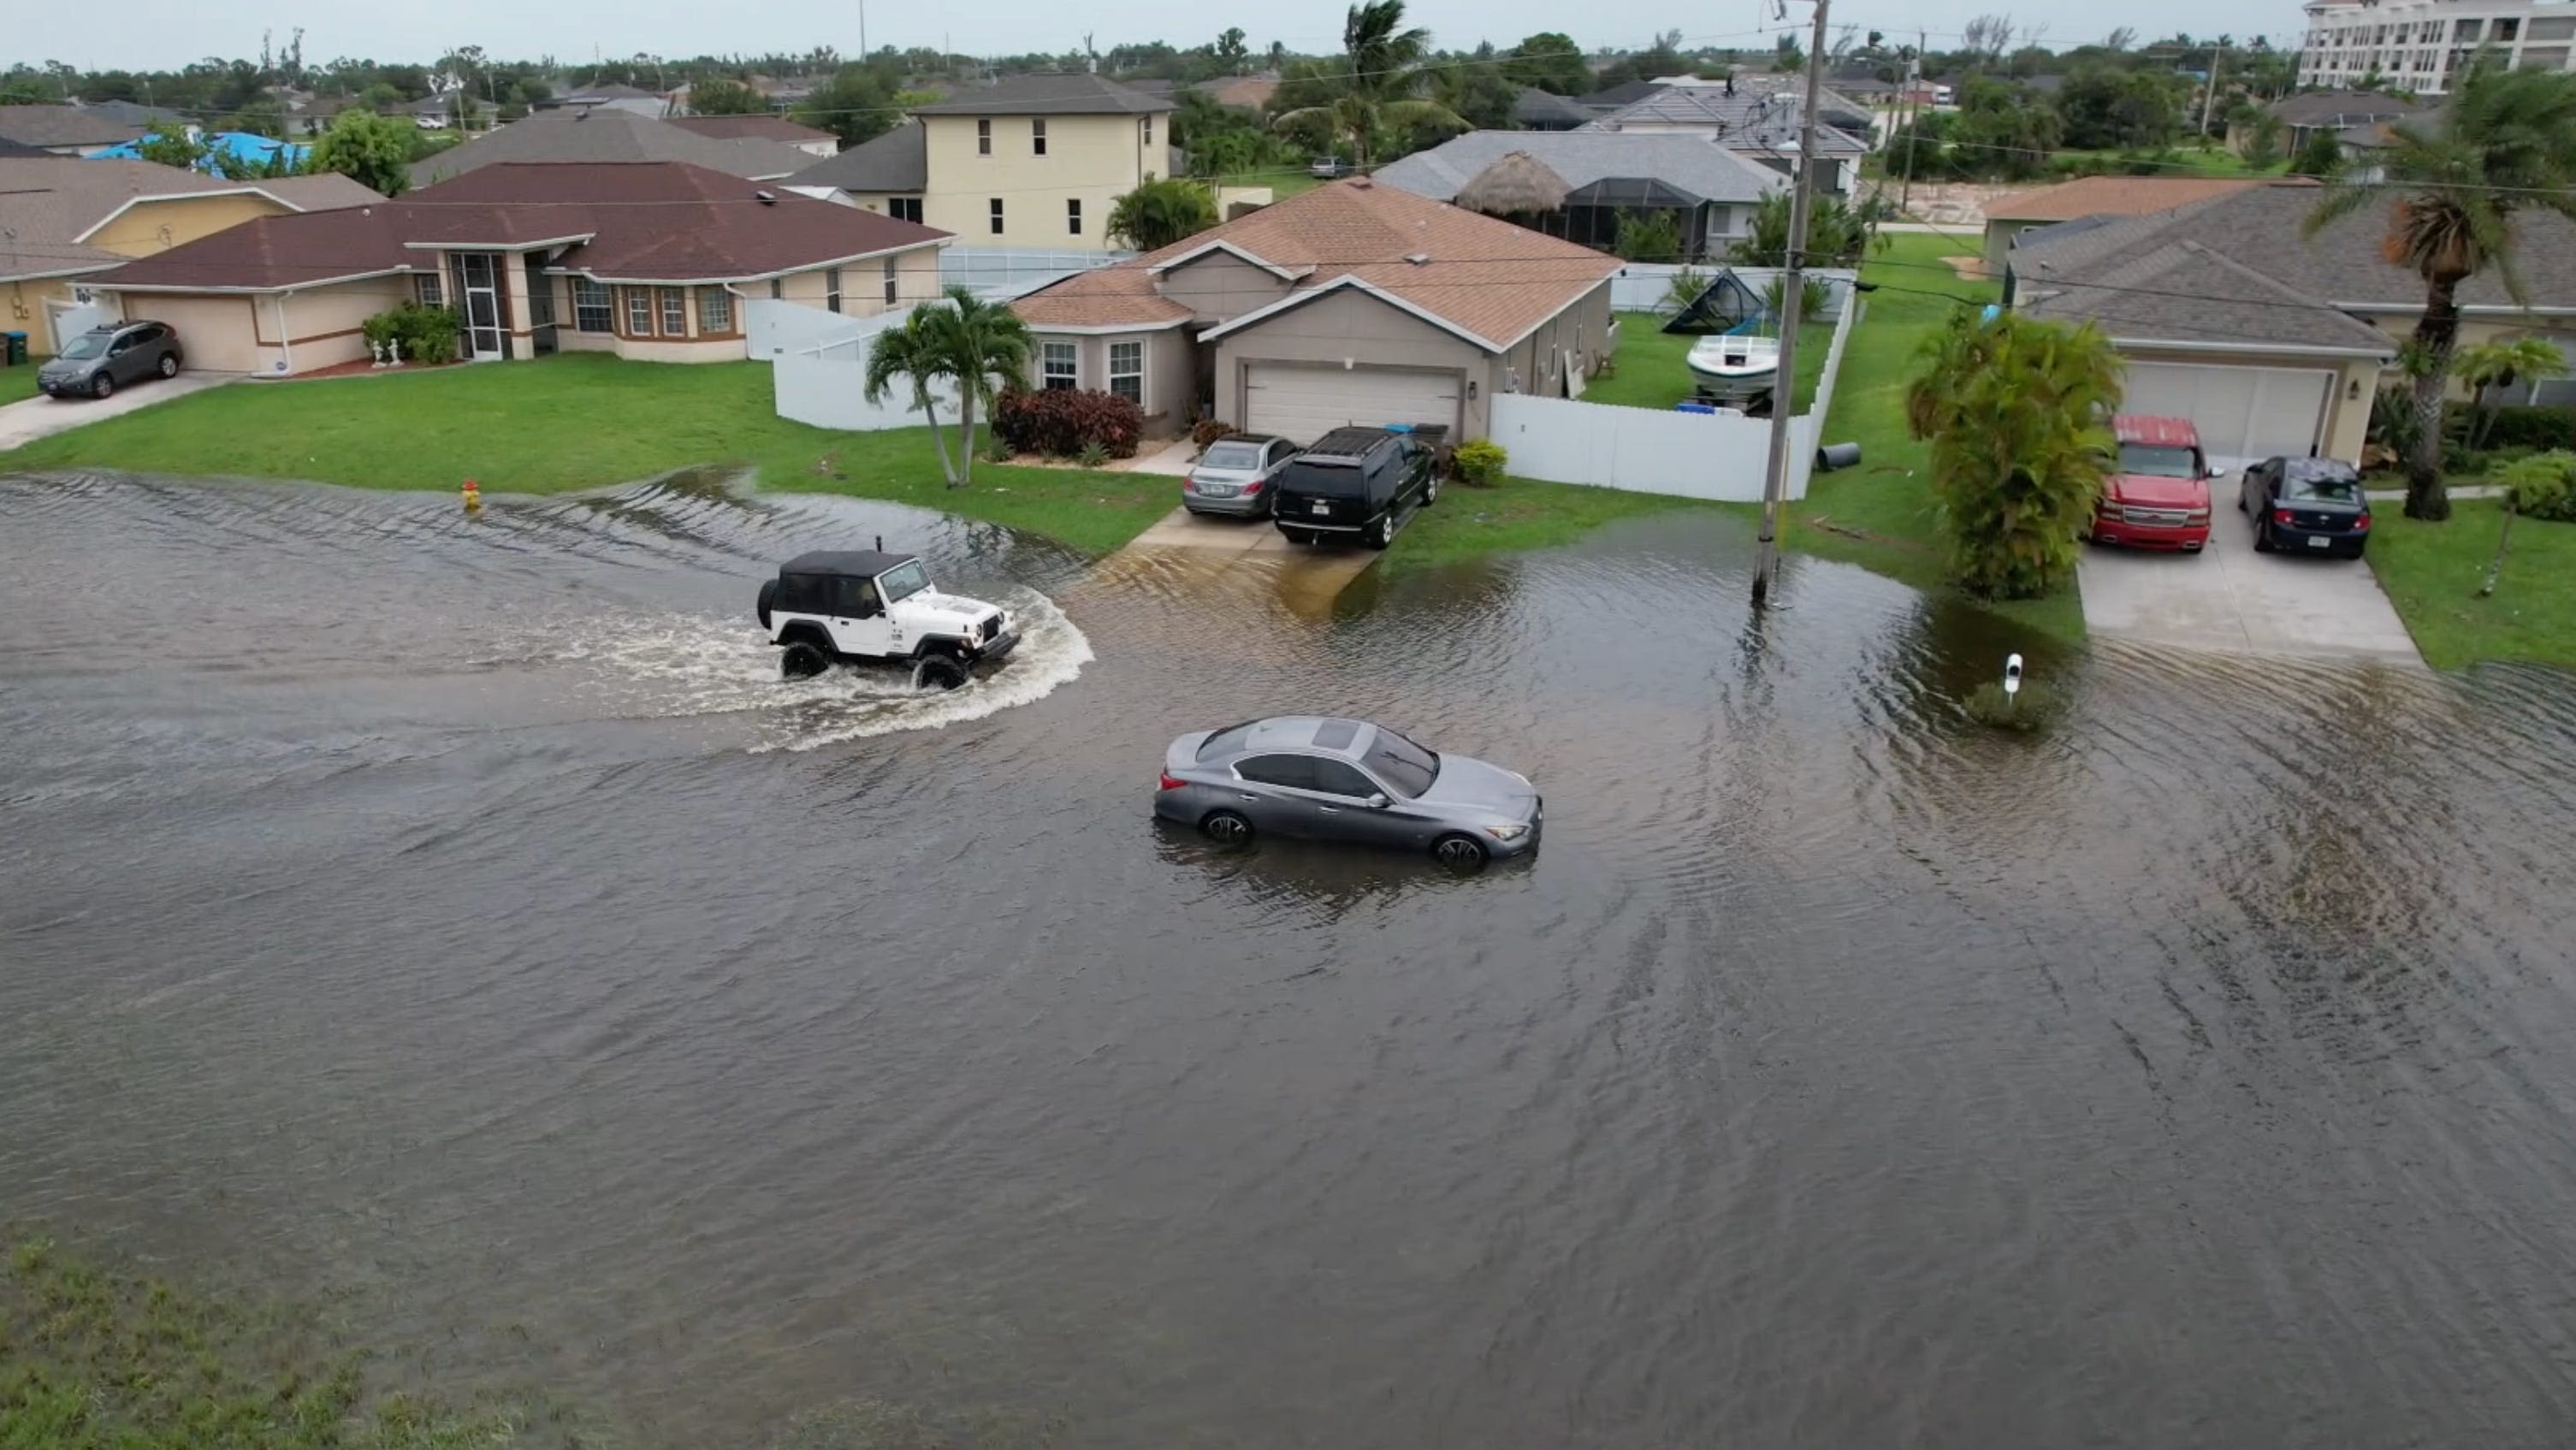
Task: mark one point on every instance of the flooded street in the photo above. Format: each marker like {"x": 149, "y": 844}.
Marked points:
{"x": 460, "y": 915}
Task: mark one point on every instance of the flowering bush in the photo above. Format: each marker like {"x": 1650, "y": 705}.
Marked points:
{"x": 1062, "y": 422}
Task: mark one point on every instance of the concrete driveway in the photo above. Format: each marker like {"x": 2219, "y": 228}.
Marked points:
{"x": 29, "y": 419}
{"x": 2229, "y": 598}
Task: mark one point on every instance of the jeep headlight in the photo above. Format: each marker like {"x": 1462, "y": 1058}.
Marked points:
{"x": 1507, "y": 833}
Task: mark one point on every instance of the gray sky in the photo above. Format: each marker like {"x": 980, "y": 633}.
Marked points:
{"x": 169, "y": 33}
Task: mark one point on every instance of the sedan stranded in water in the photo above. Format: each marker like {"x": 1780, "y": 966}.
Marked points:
{"x": 1345, "y": 780}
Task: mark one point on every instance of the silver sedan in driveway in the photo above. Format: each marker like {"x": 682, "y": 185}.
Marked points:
{"x": 1345, "y": 780}
{"x": 1234, "y": 476}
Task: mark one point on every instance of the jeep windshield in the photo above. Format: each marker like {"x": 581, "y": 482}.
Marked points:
{"x": 903, "y": 581}
{"x": 2159, "y": 460}
{"x": 1324, "y": 481}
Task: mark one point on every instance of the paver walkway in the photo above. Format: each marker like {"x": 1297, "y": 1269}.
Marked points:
{"x": 2229, "y": 598}
{"x": 29, "y": 419}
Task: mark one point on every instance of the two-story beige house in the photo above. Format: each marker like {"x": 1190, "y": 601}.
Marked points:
{"x": 1030, "y": 161}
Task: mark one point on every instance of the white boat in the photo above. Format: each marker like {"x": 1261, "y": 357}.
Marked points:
{"x": 1734, "y": 367}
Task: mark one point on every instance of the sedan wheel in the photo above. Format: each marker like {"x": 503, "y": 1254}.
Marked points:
{"x": 1227, "y": 829}
{"x": 1462, "y": 854}
{"x": 2262, "y": 536}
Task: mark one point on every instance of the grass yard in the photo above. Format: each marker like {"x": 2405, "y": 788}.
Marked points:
{"x": 1652, "y": 375}
{"x": 16, "y": 383}
{"x": 2432, "y": 572}
{"x": 1882, "y": 515}
{"x": 578, "y": 422}
{"x": 1518, "y": 514}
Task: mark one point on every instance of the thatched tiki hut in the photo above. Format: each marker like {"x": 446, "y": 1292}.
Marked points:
{"x": 1517, "y": 185}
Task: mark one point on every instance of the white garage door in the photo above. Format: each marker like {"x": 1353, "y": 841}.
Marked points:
{"x": 1305, "y": 403}
{"x": 2242, "y": 413}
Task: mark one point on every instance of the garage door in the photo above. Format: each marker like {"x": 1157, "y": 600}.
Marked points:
{"x": 2241, "y": 413}
{"x": 1305, "y": 403}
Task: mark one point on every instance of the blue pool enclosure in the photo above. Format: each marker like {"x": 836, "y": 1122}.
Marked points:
{"x": 225, "y": 148}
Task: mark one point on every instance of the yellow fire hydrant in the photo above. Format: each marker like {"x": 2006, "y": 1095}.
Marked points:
{"x": 473, "y": 497}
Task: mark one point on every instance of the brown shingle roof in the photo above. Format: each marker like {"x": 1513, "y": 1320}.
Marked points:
{"x": 2113, "y": 196}
{"x": 48, "y": 126}
{"x": 610, "y": 135}
{"x": 1067, "y": 93}
{"x": 1483, "y": 277}
{"x": 48, "y": 202}
{"x": 321, "y": 191}
{"x": 765, "y": 128}
{"x": 643, "y": 221}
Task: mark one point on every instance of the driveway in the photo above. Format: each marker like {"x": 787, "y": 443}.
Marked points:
{"x": 29, "y": 419}
{"x": 2229, "y": 598}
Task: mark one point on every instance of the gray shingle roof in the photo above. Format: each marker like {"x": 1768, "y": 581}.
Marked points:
{"x": 611, "y": 135}
{"x": 2178, "y": 290}
{"x": 1744, "y": 122}
{"x": 896, "y": 161}
{"x": 44, "y": 126}
{"x": 2342, "y": 108}
{"x": 1071, "y": 93}
{"x": 1544, "y": 108}
{"x": 1686, "y": 163}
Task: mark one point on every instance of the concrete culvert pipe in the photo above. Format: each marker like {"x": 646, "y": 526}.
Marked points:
{"x": 1837, "y": 455}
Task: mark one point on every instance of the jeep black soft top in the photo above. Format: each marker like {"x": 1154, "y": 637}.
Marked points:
{"x": 845, "y": 563}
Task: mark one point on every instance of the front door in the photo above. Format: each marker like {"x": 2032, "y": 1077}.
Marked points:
{"x": 486, "y": 327}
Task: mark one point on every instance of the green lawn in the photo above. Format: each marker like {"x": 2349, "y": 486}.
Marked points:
{"x": 1882, "y": 515}
{"x": 2432, "y": 573}
{"x": 578, "y": 422}
{"x": 16, "y": 383}
{"x": 1652, "y": 375}
{"x": 1518, "y": 514}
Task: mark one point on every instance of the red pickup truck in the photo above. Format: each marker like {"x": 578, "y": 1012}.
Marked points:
{"x": 2157, "y": 496}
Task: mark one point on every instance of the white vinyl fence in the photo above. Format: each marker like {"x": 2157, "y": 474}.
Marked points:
{"x": 1015, "y": 271}
{"x": 1647, "y": 286}
{"x": 827, "y": 392}
{"x": 1720, "y": 455}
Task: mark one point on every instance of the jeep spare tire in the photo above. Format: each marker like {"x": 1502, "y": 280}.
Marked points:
{"x": 803, "y": 660}
{"x": 938, "y": 672}
{"x": 768, "y": 596}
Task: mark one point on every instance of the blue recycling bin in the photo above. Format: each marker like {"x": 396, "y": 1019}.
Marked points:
{"x": 14, "y": 345}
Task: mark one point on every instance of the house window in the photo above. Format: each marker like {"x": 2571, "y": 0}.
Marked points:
{"x": 997, "y": 216}
{"x": 428, "y": 289}
{"x": 1127, "y": 371}
{"x": 675, "y": 312}
{"x": 591, "y": 307}
{"x": 890, "y": 278}
{"x": 639, "y": 312}
{"x": 1073, "y": 215}
{"x": 1037, "y": 137}
{"x": 984, "y": 138}
{"x": 715, "y": 310}
{"x": 777, "y": 289}
{"x": 904, "y": 208}
{"x": 1058, "y": 367}
{"x": 831, "y": 289}
{"x": 1149, "y": 130}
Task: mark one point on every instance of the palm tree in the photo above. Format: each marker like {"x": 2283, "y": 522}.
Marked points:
{"x": 2505, "y": 143}
{"x": 2500, "y": 365}
{"x": 983, "y": 347}
{"x": 1379, "y": 87}
{"x": 2014, "y": 409}
{"x": 909, "y": 351}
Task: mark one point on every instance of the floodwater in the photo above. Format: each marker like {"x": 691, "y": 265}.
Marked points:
{"x": 459, "y": 915}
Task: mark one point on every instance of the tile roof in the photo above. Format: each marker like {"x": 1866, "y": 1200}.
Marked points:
{"x": 1684, "y": 162}
{"x": 1486, "y": 278}
{"x": 648, "y": 221}
{"x": 47, "y": 201}
{"x": 2259, "y": 228}
{"x": 610, "y": 135}
{"x": 2112, "y": 196}
{"x": 46, "y": 126}
{"x": 1747, "y": 122}
{"x": 1070, "y": 93}
{"x": 899, "y": 160}
{"x": 2339, "y": 109}
{"x": 735, "y": 128}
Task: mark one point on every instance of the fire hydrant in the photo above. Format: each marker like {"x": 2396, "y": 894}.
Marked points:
{"x": 473, "y": 497}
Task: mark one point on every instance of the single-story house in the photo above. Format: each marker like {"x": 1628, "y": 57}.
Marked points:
{"x": 808, "y": 139}
{"x": 66, "y": 130}
{"x": 65, "y": 220}
{"x": 613, "y": 96}
{"x": 140, "y": 116}
{"x": 2013, "y": 213}
{"x": 2267, "y": 372}
{"x": 2304, "y": 114}
{"x": 647, "y": 260}
{"x": 1356, "y": 302}
{"x": 612, "y": 135}
{"x": 1538, "y": 110}
{"x": 1713, "y": 190}
{"x": 1761, "y": 126}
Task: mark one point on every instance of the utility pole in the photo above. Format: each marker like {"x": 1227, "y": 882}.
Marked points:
{"x": 1913, "y": 108}
{"x": 1784, "y": 386}
{"x": 2209, "y": 98}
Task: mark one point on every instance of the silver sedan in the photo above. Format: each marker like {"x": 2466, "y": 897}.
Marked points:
{"x": 1345, "y": 780}
{"x": 1236, "y": 474}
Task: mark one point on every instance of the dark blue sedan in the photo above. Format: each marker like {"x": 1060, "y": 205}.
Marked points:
{"x": 2306, "y": 506}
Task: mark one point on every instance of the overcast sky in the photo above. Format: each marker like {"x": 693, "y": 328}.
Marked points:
{"x": 161, "y": 34}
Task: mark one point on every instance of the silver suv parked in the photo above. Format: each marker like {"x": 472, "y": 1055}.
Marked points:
{"x": 103, "y": 359}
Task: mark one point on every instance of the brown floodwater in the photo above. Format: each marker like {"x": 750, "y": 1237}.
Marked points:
{"x": 459, "y": 919}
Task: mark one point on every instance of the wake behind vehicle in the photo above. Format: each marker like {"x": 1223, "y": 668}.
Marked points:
{"x": 860, "y": 605}
{"x": 1345, "y": 780}
{"x": 1357, "y": 485}
{"x": 2306, "y": 506}
{"x": 2157, "y": 496}
{"x": 105, "y": 358}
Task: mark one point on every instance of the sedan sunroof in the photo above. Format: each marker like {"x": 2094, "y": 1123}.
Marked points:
{"x": 1336, "y": 735}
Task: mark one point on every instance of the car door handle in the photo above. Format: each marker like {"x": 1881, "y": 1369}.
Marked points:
{"x": 1252, "y": 797}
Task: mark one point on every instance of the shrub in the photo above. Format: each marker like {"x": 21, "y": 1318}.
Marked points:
{"x": 1479, "y": 462}
{"x": 1094, "y": 454}
{"x": 1207, "y": 431}
{"x": 427, "y": 334}
{"x": 1684, "y": 288}
{"x": 998, "y": 449}
{"x": 2533, "y": 428}
{"x": 2544, "y": 487}
{"x": 2032, "y": 709}
{"x": 1058, "y": 422}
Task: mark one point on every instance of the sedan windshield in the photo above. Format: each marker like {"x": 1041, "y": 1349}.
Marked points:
{"x": 1245, "y": 456}
{"x": 2327, "y": 489}
{"x": 1407, "y": 768}
{"x": 84, "y": 347}
{"x": 903, "y": 581}
{"x": 2158, "y": 460}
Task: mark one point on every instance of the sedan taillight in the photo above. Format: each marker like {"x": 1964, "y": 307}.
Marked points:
{"x": 2283, "y": 516}
{"x": 1171, "y": 782}
{"x": 2362, "y": 525}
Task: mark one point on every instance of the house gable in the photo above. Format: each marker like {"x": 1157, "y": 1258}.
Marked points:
{"x": 1219, "y": 286}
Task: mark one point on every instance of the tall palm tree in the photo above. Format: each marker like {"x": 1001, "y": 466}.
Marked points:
{"x": 2505, "y": 143}
{"x": 984, "y": 348}
{"x": 910, "y": 352}
{"x": 1380, "y": 84}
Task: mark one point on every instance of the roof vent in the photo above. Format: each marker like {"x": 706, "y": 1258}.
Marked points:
{"x": 1419, "y": 259}
{"x": 765, "y": 198}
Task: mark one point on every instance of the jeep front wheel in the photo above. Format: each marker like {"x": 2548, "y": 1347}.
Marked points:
{"x": 803, "y": 660}
{"x": 938, "y": 672}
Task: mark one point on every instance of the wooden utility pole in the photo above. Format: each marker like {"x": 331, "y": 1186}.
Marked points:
{"x": 2209, "y": 98}
{"x": 1784, "y": 385}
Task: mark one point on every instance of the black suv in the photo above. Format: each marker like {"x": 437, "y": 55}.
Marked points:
{"x": 1357, "y": 483}
{"x": 103, "y": 359}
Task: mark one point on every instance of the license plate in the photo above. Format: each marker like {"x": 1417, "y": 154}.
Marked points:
{"x": 1323, "y": 508}
{"x": 1216, "y": 490}
{"x": 2316, "y": 541}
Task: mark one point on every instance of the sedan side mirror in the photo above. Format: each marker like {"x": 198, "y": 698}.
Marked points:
{"x": 1377, "y": 801}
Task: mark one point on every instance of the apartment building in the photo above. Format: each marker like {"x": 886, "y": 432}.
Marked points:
{"x": 2418, "y": 44}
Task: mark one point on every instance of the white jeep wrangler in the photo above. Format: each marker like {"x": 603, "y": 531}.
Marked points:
{"x": 868, "y": 605}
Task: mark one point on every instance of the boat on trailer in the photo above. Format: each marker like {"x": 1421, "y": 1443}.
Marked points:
{"x": 1734, "y": 368}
